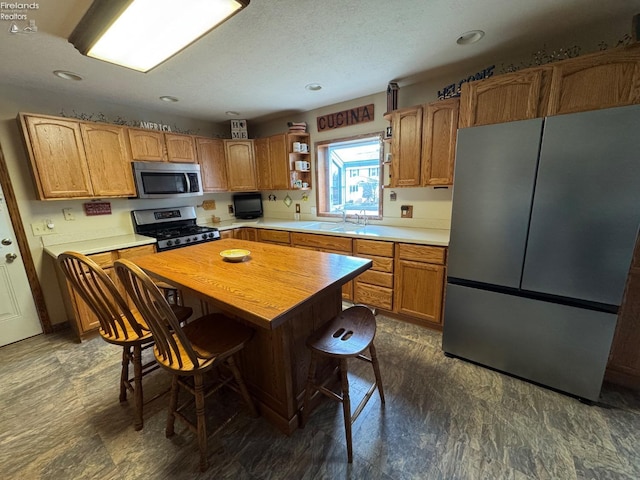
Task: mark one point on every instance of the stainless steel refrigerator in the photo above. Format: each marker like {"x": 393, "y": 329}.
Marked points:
{"x": 544, "y": 222}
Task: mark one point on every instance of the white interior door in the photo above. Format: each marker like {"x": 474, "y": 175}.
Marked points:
{"x": 18, "y": 315}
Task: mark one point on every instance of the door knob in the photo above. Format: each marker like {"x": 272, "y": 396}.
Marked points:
{"x": 6, "y": 241}
{"x": 11, "y": 257}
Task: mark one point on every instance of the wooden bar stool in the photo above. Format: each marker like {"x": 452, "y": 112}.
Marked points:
{"x": 346, "y": 336}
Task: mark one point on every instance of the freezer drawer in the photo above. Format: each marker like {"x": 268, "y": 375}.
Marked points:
{"x": 562, "y": 347}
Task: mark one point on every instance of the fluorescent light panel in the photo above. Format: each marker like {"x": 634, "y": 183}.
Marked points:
{"x": 148, "y": 32}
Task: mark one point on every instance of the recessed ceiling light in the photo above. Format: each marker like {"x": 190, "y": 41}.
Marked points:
{"x": 67, "y": 75}
{"x": 313, "y": 87}
{"x": 231, "y": 113}
{"x": 470, "y": 37}
{"x": 168, "y": 98}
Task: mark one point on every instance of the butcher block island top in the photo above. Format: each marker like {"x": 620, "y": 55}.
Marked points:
{"x": 285, "y": 293}
{"x": 271, "y": 283}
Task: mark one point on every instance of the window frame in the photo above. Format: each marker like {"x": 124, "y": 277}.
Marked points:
{"x": 320, "y": 149}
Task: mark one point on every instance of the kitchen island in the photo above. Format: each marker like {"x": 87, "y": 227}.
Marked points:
{"x": 284, "y": 293}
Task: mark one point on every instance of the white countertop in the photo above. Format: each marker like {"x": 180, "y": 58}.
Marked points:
{"x": 424, "y": 236}
{"x": 97, "y": 245}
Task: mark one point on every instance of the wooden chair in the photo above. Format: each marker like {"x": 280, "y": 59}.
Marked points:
{"x": 188, "y": 351}
{"x": 348, "y": 335}
{"x": 119, "y": 324}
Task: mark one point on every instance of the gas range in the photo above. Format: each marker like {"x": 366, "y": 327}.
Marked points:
{"x": 172, "y": 227}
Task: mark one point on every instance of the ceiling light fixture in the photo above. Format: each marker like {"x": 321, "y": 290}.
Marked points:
{"x": 67, "y": 75}
{"x": 231, "y": 113}
{"x": 141, "y": 34}
{"x": 168, "y": 98}
{"x": 470, "y": 37}
{"x": 313, "y": 87}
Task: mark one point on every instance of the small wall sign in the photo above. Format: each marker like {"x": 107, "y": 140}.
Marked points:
{"x": 97, "y": 208}
{"x": 239, "y": 129}
{"x": 155, "y": 126}
{"x": 345, "y": 118}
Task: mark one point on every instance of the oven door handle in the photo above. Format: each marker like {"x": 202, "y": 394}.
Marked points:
{"x": 186, "y": 177}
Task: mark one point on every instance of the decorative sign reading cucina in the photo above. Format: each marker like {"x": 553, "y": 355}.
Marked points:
{"x": 346, "y": 118}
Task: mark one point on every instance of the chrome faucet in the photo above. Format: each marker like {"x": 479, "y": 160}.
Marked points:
{"x": 364, "y": 217}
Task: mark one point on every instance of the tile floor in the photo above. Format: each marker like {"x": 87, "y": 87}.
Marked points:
{"x": 444, "y": 419}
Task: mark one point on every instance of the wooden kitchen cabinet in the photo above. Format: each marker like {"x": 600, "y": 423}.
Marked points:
{"x": 423, "y": 144}
{"x": 85, "y": 321}
{"x": 591, "y": 82}
{"x": 146, "y": 145}
{"x": 419, "y": 282}
{"x": 503, "y": 98}
{"x": 180, "y": 148}
{"x": 241, "y": 168}
{"x": 227, "y": 233}
{"x": 155, "y": 146}
{"x": 109, "y": 160}
{"x": 58, "y": 160}
{"x": 329, "y": 244}
{"x": 272, "y": 162}
{"x": 73, "y": 159}
{"x": 406, "y": 146}
{"x": 246, "y": 233}
{"x": 439, "y": 133}
{"x": 279, "y": 237}
{"x": 213, "y": 166}
{"x": 606, "y": 79}
{"x": 375, "y": 286}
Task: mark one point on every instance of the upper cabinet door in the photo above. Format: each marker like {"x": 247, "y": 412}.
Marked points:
{"x": 108, "y": 159}
{"x": 146, "y": 145}
{"x": 279, "y": 161}
{"x": 263, "y": 165}
{"x": 57, "y": 157}
{"x": 439, "y": 142}
{"x": 504, "y": 98}
{"x": 241, "y": 167}
{"x": 593, "y": 82}
{"x": 406, "y": 145}
{"x": 180, "y": 148}
{"x": 212, "y": 164}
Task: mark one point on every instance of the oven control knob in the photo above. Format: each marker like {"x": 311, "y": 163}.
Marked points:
{"x": 195, "y": 239}
{"x": 211, "y": 235}
{"x": 169, "y": 243}
{"x": 187, "y": 239}
{"x": 177, "y": 241}
{"x": 204, "y": 237}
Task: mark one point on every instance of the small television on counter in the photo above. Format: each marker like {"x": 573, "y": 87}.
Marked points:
{"x": 247, "y": 205}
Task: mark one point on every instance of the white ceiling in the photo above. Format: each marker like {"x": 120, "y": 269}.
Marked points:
{"x": 259, "y": 61}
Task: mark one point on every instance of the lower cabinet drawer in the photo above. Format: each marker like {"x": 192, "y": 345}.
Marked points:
{"x": 274, "y": 236}
{"x": 373, "y": 277}
{"x": 373, "y": 295}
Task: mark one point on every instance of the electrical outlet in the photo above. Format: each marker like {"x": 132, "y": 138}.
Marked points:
{"x": 297, "y": 208}
{"x": 406, "y": 211}
{"x": 230, "y": 209}
{"x": 41, "y": 228}
{"x": 68, "y": 214}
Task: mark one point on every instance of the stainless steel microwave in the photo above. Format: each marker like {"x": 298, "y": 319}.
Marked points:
{"x": 167, "y": 180}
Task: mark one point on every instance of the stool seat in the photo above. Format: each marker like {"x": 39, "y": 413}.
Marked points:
{"x": 346, "y": 336}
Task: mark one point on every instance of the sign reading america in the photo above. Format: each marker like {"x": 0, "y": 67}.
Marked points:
{"x": 346, "y": 118}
